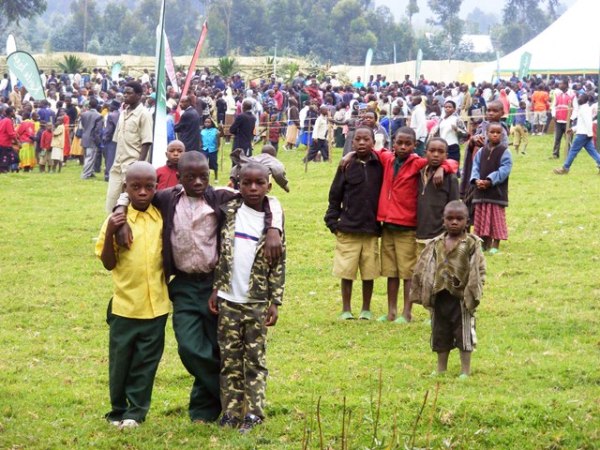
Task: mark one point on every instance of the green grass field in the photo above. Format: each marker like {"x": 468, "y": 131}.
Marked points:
{"x": 536, "y": 376}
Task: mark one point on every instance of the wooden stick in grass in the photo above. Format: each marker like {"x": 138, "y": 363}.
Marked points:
{"x": 319, "y": 424}
{"x": 378, "y": 407}
{"x": 437, "y": 390}
{"x": 414, "y": 431}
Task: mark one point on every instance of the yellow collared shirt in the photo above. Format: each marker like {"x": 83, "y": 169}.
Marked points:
{"x": 140, "y": 290}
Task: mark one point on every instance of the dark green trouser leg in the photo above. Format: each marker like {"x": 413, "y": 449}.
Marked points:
{"x": 135, "y": 349}
{"x": 196, "y": 333}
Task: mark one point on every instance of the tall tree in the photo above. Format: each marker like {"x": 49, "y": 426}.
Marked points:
{"x": 524, "y": 19}
{"x": 220, "y": 13}
{"x": 478, "y": 21}
{"x": 447, "y": 17}
{"x": 15, "y": 10}
{"x": 411, "y": 9}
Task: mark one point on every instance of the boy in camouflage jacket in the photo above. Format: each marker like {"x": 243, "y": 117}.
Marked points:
{"x": 247, "y": 291}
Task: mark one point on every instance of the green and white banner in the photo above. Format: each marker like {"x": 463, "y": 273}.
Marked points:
{"x": 115, "y": 70}
{"x": 11, "y": 47}
{"x": 24, "y": 67}
{"x": 418, "y": 65}
{"x": 524, "y": 65}
{"x": 159, "y": 141}
{"x": 368, "y": 59}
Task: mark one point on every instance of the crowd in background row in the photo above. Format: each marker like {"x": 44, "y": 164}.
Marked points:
{"x": 286, "y": 112}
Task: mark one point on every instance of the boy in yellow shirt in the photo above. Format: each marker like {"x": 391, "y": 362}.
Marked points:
{"x": 137, "y": 313}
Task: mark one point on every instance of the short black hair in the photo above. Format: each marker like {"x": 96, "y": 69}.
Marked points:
{"x": 254, "y": 166}
{"x": 406, "y": 130}
{"x": 137, "y": 87}
{"x": 192, "y": 156}
{"x": 452, "y": 102}
{"x": 366, "y": 128}
{"x": 457, "y": 205}
{"x": 438, "y": 139}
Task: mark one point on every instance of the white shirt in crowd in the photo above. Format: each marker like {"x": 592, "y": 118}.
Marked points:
{"x": 321, "y": 127}
{"x": 447, "y": 131}
{"x": 418, "y": 122}
{"x": 585, "y": 118}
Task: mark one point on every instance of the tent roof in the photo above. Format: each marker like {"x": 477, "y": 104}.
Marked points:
{"x": 571, "y": 44}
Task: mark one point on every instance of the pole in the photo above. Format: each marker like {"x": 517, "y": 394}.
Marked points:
{"x": 85, "y": 7}
{"x": 221, "y": 145}
{"x": 275, "y": 61}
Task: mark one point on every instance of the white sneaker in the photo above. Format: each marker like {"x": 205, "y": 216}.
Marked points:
{"x": 128, "y": 423}
{"x": 114, "y": 423}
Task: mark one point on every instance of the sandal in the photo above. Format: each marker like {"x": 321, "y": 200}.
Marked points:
{"x": 346, "y": 315}
{"x": 365, "y": 315}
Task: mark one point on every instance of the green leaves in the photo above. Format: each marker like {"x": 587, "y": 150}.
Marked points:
{"x": 71, "y": 64}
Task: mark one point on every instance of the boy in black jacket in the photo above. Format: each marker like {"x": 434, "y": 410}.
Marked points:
{"x": 433, "y": 199}
{"x": 352, "y": 216}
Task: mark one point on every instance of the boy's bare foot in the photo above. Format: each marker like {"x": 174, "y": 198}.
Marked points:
{"x": 387, "y": 318}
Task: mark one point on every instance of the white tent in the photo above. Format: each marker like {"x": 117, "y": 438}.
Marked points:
{"x": 570, "y": 45}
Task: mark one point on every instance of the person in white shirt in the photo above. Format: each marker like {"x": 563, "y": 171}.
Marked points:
{"x": 418, "y": 122}
{"x": 451, "y": 127}
{"x": 584, "y": 136}
{"x": 319, "y": 136}
{"x": 513, "y": 104}
{"x": 145, "y": 78}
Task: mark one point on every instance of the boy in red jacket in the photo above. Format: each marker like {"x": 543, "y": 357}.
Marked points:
{"x": 397, "y": 210}
{"x": 46, "y": 148}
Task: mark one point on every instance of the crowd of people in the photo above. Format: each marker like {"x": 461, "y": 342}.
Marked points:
{"x": 396, "y": 189}
{"x": 302, "y": 112}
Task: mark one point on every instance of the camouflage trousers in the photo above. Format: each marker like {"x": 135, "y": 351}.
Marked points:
{"x": 242, "y": 336}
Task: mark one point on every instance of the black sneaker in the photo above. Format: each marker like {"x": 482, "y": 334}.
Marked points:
{"x": 250, "y": 421}
{"x": 229, "y": 421}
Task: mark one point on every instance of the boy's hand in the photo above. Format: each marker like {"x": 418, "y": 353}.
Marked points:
{"x": 272, "y": 315}
{"x": 117, "y": 220}
{"x": 124, "y": 235}
{"x": 273, "y": 247}
{"x": 346, "y": 160}
{"x": 438, "y": 177}
{"x": 213, "y": 304}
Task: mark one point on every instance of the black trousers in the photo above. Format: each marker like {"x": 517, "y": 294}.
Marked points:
{"x": 319, "y": 145}
{"x": 559, "y": 131}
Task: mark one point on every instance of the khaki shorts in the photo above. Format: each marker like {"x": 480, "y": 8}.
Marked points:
{"x": 354, "y": 251}
{"x": 520, "y": 135}
{"x": 398, "y": 253}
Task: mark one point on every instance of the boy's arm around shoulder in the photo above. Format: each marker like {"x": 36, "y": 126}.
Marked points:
{"x": 105, "y": 246}
{"x": 277, "y": 277}
{"x": 274, "y": 229}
